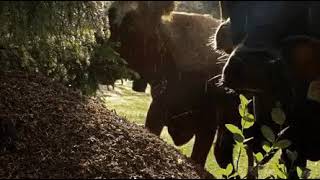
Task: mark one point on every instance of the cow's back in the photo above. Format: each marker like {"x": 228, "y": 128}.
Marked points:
{"x": 188, "y": 37}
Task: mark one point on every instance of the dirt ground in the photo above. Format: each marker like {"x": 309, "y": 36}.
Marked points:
{"x": 62, "y": 134}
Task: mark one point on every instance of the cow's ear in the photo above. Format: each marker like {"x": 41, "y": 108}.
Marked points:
{"x": 303, "y": 55}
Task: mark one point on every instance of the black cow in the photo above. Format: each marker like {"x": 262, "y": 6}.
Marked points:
{"x": 282, "y": 71}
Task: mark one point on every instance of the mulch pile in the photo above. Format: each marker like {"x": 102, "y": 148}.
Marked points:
{"x": 62, "y": 134}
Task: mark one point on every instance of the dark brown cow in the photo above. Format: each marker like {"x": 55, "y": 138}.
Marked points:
{"x": 170, "y": 51}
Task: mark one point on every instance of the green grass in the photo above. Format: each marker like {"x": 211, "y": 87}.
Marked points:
{"x": 134, "y": 107}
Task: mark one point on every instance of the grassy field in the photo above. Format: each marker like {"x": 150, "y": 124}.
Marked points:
{"x": 134, "y": 107}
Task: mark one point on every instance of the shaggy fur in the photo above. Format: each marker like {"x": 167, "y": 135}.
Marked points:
{"x": 222, "y": 39}
{"x": 172, "y": 54}
{"x": 188, "y": 35}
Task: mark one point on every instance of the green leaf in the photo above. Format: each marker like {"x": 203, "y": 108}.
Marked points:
{"x": 303, "y": 173}
{"x": 221, "y": 171}
{"x": 268, "y": 133}
{"x": 237, "y": 148}
{"x": 282, "y": 167}
{"x": 244, "y": 101}
{"x": 250, "y": 116}
{"x": 279, "y": 171}
{"x": 229, "y": 169}
{"x": 233, "y": 129}
{"x": 247, "y": 122}
{"x": 266, "y": 146}
{"x": 242, "y": 110}
{"x": 282, "y": 144}
{"x": 278, "y": 116}
{"x": 299, "y": 172}
{"x": 237, "y": 134}
{"x": 258, "y": 156}
{"x": 292, "y": 155}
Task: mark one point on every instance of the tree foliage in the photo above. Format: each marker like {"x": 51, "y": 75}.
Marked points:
{"x": 65, "y": 40}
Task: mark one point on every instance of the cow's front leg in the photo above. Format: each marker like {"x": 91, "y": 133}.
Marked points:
{"x": 223, "y": 147}
{"x": 155, "y": 120}
{"x": 202, "y": 145}
{"x": 155, "y": 117}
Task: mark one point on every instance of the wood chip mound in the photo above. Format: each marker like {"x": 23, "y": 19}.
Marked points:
{"x": 61, "y": 134}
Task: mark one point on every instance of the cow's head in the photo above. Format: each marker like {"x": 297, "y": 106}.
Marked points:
{"x": 116, "y": 14}
{"x": 223, "y": 37}
{"x": 133, "y": 24}
{"x": 261, "y": 71}
{"x": 246, "y": 69}
{"x": 252, "y": 70}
